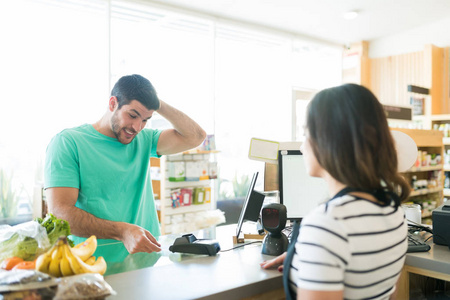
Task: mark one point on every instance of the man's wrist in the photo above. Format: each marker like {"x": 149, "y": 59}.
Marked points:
{"x": 118, "y": 230}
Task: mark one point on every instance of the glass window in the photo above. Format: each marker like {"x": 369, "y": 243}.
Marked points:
{"x": 53, "y": 75}
{"x": 175, "y": 52}
{"x": 60, "y": 58}
{"x": 253, "y": 99}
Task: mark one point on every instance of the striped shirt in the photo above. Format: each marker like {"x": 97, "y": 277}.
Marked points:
{"x": 350, "y": 244}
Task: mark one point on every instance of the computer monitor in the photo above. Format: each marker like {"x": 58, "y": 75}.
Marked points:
{"x": 299, "y": 192}
{"x": 251, "y": 208}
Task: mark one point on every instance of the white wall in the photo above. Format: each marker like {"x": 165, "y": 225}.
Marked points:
{"x": 412, "y": 40}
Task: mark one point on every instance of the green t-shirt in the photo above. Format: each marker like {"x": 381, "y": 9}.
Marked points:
{"x": 113, "y": 179}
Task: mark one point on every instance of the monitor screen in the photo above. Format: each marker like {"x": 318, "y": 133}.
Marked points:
{"x": 299, "y": 192}
{"x": 250, "y": 211}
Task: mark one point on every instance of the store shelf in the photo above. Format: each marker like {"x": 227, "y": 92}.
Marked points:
{"x": 425, "y": 191}
{"x": 427, "y": 215}
{"x": 431, "y": 142}
{"x": 175, "y": 216}
{"x": 193, "y": 208}
{"x": 184, "y": 184}
{"x": 425, "y": 168}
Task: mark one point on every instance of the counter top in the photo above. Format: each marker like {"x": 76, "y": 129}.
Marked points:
{"x": 231, "y": 274}
{"x": 437, "y": 259}
{"x": 234, "y": 273}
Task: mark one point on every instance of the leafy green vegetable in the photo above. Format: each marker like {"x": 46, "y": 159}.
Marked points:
{"x": 28, "y": 247}
{"x": 20, "y": 246}
{"x": 55, "y": 228}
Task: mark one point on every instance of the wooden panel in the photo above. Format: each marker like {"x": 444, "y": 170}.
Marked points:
{"x": 402, "y": 291}
{"x": 156, "y": 184}
{"x": 155, "y": 162}
{"x": 390, "y": 76}
{"x": 271, "y": 177}
{"x": 428, "y": 273}
{"x": 430, "y": 68}
{"x": 356, "y": 64}
{"x": 446, "y": 82}
{"x": 434, "y": 61}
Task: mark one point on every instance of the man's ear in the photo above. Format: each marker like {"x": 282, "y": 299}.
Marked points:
{"x": 113, "y": 103}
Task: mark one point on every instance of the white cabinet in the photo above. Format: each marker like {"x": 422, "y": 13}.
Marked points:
{"x": 186, "y": 189}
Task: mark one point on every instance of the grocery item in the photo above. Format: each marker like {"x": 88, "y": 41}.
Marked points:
{"x": 30, "y": 239}
{"x": 10, "y": 262}
{"x": 62, "y": 260}
{"x": 25, "y": 265}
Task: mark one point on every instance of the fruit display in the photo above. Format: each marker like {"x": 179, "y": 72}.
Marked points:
{"x": 62, "y": 260}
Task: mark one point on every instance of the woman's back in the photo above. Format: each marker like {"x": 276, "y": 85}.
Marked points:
{"x": 353, "y": 244}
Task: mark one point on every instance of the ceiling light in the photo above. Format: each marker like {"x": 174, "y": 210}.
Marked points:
{"x": 350, "y": 15}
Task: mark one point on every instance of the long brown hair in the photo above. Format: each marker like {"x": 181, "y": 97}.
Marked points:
{"x": 351, "y": 140}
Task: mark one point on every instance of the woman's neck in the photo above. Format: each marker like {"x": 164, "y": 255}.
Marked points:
{"x": 334, "y": 186}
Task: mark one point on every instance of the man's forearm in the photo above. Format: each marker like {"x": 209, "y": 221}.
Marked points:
{"x": 186, "y": 133}
{"x": 84, "y": 224}
{"x": 182, "y": 123}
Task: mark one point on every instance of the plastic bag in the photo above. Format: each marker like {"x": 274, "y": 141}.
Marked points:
{"x": 26, "y": 240}
{"x": 26, "y": 284}
{"x": 17, "y": 280}
{"x": 83, "y": 286}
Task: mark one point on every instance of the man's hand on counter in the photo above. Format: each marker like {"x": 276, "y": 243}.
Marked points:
{"x": 137, "y": 239}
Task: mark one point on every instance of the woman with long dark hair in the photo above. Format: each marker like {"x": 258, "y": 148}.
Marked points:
{"x": 354, "y": 245}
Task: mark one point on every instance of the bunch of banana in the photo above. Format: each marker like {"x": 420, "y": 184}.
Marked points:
{"x": 62, "y": 260}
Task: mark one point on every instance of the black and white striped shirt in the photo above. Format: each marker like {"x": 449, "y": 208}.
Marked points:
{"x": 351, "y": 244}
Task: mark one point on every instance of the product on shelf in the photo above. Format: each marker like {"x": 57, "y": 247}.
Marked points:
{"x": 175, "y": 195}
{"x": 199, "y": 195}
{"x": 203, "y": 165}
{"x": 193, "y": 170}
{"x": 186, "y": 197}
{"x": 176, "y": 171}
{"x": 212, "y": 170}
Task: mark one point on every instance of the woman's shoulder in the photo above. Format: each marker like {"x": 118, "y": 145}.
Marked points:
{"x": 343, "y": 207}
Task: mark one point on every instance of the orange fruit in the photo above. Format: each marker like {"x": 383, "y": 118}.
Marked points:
{"x": 27, "y": 265}
{"x": 11, "y": 262}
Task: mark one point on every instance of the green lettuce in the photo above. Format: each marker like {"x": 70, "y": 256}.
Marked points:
{"x": 55, "y": 228}
{"x": 28, "y": 248}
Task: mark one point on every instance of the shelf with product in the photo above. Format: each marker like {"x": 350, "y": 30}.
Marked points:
{"x": 442, "y": 123}
{"x": 186, "y": 186}
{"x": 426, "y": 176}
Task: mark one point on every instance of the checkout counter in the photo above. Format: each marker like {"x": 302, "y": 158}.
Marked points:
{"x": 231, "y": 274}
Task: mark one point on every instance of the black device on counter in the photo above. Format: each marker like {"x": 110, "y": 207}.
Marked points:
{"x": 273, "y": 219}
{"x": 415, "y": 244}
{"x": 441, "y": 225}
{"x": 188, "y": 243}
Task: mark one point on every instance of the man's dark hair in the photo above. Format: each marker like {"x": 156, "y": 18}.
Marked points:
{"x": 135, "y": 87}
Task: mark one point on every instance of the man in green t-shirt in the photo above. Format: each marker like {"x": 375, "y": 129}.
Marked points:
{"x": 97, "y": 176}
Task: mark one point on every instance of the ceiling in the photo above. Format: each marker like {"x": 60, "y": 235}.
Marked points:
{"x": 323, "y": 19}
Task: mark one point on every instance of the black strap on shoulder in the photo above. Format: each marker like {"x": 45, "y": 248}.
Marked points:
{"x": 290, "y": 294}
{"x": 383, "y": 195}
{"x": 346, "y": 191}
{"x": 343, "y": 192}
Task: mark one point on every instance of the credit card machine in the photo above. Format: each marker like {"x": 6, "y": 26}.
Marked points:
{"x": 188, "y": 243}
